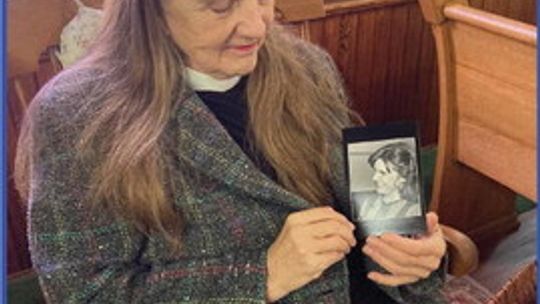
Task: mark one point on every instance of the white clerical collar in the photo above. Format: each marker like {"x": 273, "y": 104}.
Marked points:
{"x": 203, "y": 82}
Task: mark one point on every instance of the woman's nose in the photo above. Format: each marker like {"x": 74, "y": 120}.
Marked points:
{"x": 254, "y": 19}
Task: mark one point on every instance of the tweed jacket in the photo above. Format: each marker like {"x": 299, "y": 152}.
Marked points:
{"x": 232, "y": 211}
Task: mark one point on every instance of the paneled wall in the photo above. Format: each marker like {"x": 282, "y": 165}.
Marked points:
{"x": 382, "y": 47}
{"x": 386, "y": 55}
{"x": 523, "y": 10}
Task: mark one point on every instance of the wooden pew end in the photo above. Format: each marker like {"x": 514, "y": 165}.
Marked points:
{"x": 463, "y": 252}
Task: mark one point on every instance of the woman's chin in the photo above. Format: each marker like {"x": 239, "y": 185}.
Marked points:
{"x": 232, "y": 71}
{"x": 240, "y": 66}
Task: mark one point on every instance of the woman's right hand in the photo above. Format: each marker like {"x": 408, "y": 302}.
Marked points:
{"x": 309, "y": 242}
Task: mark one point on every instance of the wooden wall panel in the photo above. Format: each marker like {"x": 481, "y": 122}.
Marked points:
{"x": 387, "y": 58}
{"x": 523, "y": 10}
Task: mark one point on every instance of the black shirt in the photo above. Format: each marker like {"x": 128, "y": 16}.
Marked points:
{"x": 230, "y": 108}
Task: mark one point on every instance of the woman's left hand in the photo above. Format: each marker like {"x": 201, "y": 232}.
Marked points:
{"x": 407, "y": 260}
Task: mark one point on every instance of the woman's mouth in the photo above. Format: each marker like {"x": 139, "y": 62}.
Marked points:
{"x": 244, "y": 49}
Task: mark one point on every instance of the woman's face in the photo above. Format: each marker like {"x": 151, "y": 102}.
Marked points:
{"x": 219, "y": 37}
{"x": 386, "y": 178}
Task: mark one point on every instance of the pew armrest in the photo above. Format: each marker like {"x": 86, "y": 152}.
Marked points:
{"x": 463, "y": 253}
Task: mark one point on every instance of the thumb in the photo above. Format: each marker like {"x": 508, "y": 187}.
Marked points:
{"x": 432, "y": 222}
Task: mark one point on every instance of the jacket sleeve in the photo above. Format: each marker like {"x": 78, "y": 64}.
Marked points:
{"x": 84, "y": 254}
{"x": 424, "y": 291}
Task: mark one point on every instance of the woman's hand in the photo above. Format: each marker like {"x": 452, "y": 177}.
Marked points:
{"x": 309, "y": 242}
{"x": 407, "y": 260}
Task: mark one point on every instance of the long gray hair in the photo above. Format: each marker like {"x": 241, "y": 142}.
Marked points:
{"x": 297, "y": 108}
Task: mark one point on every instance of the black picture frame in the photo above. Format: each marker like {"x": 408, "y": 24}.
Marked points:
{"x": 383, "y": 171}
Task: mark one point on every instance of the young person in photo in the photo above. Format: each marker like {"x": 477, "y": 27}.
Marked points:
{"x": 396, "y": 192}
{"x": 194, "y": 156}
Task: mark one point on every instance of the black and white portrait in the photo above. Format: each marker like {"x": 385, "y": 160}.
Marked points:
{"x": 384, "y": 179}
{"x": 390, "y": 187}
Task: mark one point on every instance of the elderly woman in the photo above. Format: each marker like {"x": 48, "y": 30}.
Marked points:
{"x": 193, "y": 156}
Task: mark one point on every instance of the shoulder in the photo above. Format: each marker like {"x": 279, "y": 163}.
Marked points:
{"x": 66, "y": 99}
{"x": 63, "y": 108}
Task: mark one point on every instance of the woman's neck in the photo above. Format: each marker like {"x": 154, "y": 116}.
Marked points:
{"x": 200, "y": 81}
{"x": 391, "y": 197}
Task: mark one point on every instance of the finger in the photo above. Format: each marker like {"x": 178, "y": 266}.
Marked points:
{"x": 432, "y": 222}
{"x": 333, "y": 243}
{"x": 330, "y": 228}
{"x": 391, "y": 280}
{"x": 330, "y": 258}
{"x": 315, "y": 215}
{"x": 393, "y": 267}
{"x": 433, "y": 245}
{"x": 402, "y": 258}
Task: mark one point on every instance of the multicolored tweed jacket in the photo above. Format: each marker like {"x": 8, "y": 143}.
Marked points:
{"x": 232, "y": 210}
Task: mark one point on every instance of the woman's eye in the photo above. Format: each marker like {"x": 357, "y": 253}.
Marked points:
{"x": 221, "y": 6}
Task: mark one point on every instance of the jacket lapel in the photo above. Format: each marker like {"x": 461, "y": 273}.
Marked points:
{"x": 205, "y": 145}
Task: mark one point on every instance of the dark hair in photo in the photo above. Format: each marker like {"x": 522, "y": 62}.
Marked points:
{"x": 402, "y": 159}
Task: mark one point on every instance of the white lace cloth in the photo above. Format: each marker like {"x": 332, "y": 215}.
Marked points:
{"x": 78, "y": 34}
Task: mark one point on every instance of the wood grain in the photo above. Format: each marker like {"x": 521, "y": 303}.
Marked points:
{"x": 386, "y": 56}
{"x": 351, "y": 6}
{"x": 523, "y": 10}
{"x": 506, "y": 109}
{"x": 498, "y": 157}
{"x": 518, "y": 71}
{"x": 300, "y": 10}
{"x": 487, "y": 138}
{"x": 501, "y": 26}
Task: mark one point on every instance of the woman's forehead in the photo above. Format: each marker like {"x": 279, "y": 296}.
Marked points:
{"x": 204, "y": 2}
{"x": 188, "y": 3}
{"x": 380, "y": 164}
{"x": 184, "y": 6}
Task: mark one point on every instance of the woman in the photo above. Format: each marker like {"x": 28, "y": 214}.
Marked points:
{"x": 395, "y": 178}
{"x": 192, "y": 157}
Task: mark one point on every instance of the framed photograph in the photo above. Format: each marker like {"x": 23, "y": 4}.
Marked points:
{"x": 383, "y": 170}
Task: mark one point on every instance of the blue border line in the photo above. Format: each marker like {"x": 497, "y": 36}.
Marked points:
{"x": 537, "y": 153}
{"x": 3, "y": 157}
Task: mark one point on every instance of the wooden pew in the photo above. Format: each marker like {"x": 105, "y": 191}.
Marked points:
{"x": 487, "y": 139}
{"x": 487, "y": 126}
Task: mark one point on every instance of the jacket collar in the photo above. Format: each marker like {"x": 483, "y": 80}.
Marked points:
{"x": 205, "y": 145}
